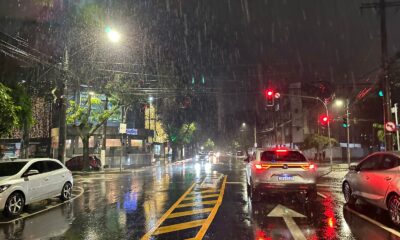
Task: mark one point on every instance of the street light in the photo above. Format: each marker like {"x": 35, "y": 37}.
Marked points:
{"x": 338, "y": 103}
{"x": 346, "y": 124}
{"x": 113, "y": 35}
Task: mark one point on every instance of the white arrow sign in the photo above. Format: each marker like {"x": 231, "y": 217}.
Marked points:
{"x": 288, "y": 214}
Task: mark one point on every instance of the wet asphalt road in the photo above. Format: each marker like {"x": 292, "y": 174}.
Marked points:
{"x": 194, "y": 199}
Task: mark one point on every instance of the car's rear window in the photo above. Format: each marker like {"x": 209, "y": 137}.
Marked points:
{"x": 10, "y": 168}
{"x": 289, "y": 156}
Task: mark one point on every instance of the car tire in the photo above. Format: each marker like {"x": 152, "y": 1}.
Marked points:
{"x": 312, "y": 195}
{"x": 351, "y": 200}
{"x": 14, "y": 205}
{"x": 394, "y": 209}
{"x": 66, "y": 192}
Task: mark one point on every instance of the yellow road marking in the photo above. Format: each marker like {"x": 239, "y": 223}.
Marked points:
{"x": 391, "y": 230}
{"x": 179, "y": 226}
{"x": 196, "y": 203}
{"x": 188, "y": 213}
{"x": 210, "y": 218}
{"x": 201, "y": 196}
{"x": 162, "y": 219}
{"x": 205, "y": 191}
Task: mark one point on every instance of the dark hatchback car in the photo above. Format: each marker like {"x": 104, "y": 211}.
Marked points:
{"x": 76, "y": 163}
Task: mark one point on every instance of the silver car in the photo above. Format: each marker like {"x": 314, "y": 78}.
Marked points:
{"x": 376, "y": 180}
{"x": 274, "y": 171}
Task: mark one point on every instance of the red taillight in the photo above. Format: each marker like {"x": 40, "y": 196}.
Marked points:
{"x": 281, "y": 150}
{"x": 258, "y": 166}
{"x": 311, "y": 167}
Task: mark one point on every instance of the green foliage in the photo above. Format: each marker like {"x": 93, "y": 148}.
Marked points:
{"x": 24, "y": 103}
{"x": 88, "y": 116}
{"x": 380, "y": 133}
{"x": 317, "y": 141}
{"x": 8, "y": 111}
{"x": 209, "y": 144}
{"x": 183, "y": 135}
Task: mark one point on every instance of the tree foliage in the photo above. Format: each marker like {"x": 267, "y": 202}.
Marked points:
{"x": 87, "y": 117}
{"x": 8, "y": 111}
{"x": 209, "y": 144}
{"x": 318, "y": 142}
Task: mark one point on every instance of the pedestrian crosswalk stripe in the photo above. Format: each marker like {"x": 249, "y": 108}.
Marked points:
{"x": 188, "y": 213}
{"x": 205, "y": 191}
{"x": 201, "y": 196}
{"x": 179, "y": 226}
{"x": 196, "y": 203}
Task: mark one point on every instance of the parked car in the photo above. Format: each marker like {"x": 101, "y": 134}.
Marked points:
{"x": 280, "y": 171}
{"x": 30, "y": 180}
{"x": 376, "y": 180}
{"x": 76, "y": 163}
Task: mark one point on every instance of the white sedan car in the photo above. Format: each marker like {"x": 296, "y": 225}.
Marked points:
{"x": 30, "y": 180}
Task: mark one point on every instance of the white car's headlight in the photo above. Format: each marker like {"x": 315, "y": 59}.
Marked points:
{"x": 4, "y": 187}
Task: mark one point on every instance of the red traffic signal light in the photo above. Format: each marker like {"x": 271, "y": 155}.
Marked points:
{"x": 269, "y": 95}
{"x": 324, "y": 119}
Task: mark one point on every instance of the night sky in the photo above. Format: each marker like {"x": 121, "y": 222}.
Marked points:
{"x": 226, "y": 40}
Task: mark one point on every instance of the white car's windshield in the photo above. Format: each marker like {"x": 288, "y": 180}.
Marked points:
{"x": 10, "y": 168}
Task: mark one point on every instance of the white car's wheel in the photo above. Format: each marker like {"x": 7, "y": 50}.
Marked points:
{"x": 66, "y": 191}
{"x": 14, "y": 205}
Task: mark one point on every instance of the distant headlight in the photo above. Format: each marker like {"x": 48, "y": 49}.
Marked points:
{"x": 4, "y": 187}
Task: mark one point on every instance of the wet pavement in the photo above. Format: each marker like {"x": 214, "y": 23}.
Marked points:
{"x": 195, "y": 200}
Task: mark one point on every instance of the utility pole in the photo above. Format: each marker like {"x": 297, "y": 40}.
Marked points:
{"x": 348, "y": 131}
{"x": 395, "y": 111}
{"x": 63, "y": 108}
{"x": 387, "y": 115}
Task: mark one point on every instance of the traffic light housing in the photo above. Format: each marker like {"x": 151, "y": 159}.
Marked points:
{"x": 345, "y": 123}
{"x": 270, "y": 97}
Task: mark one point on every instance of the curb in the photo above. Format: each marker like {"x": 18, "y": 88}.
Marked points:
{"x": 126, "y": 171}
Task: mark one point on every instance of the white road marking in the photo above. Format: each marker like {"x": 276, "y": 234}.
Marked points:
{"x": 321, "y": 195}
{"x": 234, "y": 182}
{"x": 288, "y": 214}
{"x": 391, "y": 230}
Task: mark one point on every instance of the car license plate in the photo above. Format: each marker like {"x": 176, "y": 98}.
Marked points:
{"x": 285, "y": 178}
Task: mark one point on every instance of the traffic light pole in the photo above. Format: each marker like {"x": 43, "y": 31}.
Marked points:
{"x": 348, "y": 131}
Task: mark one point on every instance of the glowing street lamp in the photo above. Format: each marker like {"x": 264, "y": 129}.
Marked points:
{"x": 113, "y": 35}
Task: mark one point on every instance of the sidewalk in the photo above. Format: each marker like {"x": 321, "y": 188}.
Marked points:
{"x": 160, "y": 162}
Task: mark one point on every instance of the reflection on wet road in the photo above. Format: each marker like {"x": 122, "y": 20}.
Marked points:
{"x": 195, "y": 200}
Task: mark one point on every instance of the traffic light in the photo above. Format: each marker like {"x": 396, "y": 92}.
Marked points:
{"x": 324, "y": 119}
{"x": 345, "y": 124}
{"x": 380, "y": 93}
{"x": 269, "y": 95}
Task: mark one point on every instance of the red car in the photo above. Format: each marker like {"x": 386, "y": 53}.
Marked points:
{"x": 76, "y": 163}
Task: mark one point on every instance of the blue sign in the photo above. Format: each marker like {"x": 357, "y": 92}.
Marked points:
{"x": 131, "y": 131}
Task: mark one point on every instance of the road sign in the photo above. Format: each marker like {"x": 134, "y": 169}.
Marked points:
{"x": 390, "y": 126}
{"x": 131, "y": 131}
{"x": 122, "y": 128}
